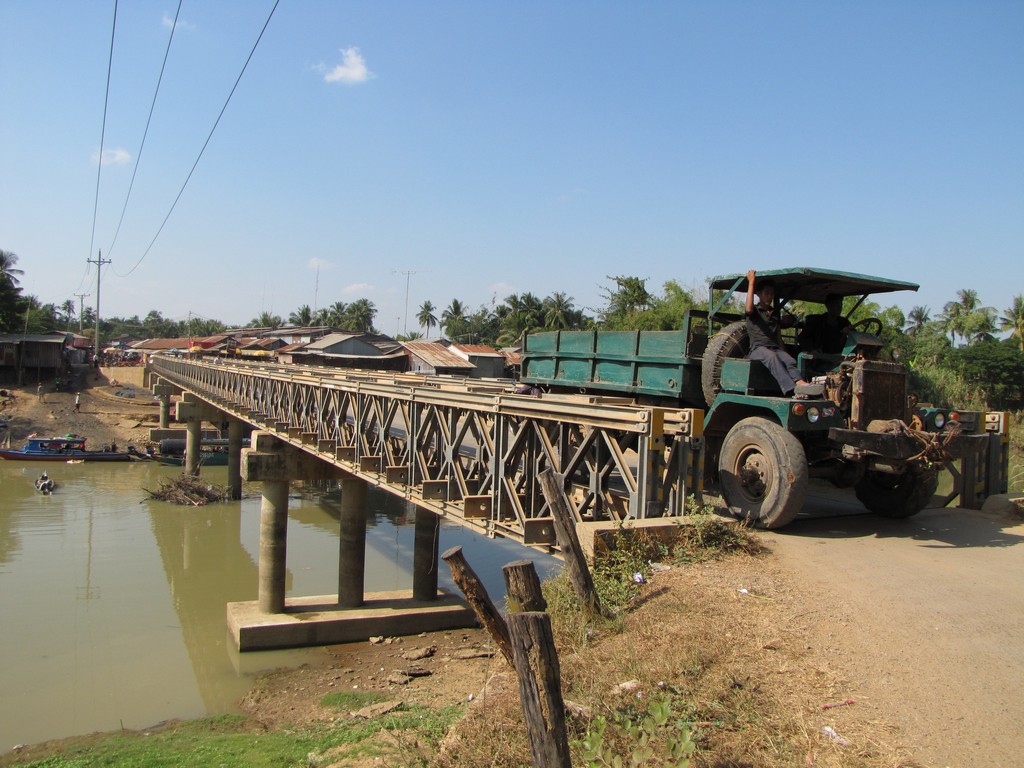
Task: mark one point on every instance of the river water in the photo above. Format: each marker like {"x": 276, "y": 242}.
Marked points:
{"x": 112, "y": 605}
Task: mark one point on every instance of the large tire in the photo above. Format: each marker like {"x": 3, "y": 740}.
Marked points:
{"x": 762, "y": 470}
{"x": 897, "y": 495}
{"x": 730, "y": 341}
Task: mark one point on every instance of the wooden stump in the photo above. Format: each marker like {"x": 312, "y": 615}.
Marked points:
{"x": 540, "y": 688}
{"x": 522, "y": 587}
{"x": 553, "y": 487}
{"x": 478, "y": 599}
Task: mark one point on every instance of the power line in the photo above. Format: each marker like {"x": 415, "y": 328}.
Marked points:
{"x": 145, "y": 132}
{"x": 103, "y": 131}
{"x": 206, "y": 143}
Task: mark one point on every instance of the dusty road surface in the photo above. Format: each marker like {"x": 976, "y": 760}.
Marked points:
{"x": 925, "y": 617}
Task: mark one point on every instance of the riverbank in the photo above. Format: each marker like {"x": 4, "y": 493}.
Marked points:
{"x": 760, "y": 655}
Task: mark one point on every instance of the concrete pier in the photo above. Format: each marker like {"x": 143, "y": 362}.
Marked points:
{"x": 272, "y": 621}
{"x": 352, "y": 542}
{"x": 235, "y": 459}
{"x": 425, "y": 555}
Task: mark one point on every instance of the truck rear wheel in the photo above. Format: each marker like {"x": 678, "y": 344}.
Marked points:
{"x": 730, "y": 341}
{"x": 763, "y": 473}
{"x": 897, "y": 495}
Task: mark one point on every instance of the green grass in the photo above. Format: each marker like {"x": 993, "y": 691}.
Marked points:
{"x": 230, "y": 742}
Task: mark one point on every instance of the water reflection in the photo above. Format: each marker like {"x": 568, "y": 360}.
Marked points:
{"x": 113, "y": 604}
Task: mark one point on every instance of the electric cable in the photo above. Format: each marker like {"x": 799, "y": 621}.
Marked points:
{"x": 103, "y": 132}
{"x": 145, "y": 132}
{"x": 205, "y": 144}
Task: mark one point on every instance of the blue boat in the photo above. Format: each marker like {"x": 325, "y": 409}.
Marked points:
{"x": 67, "y": 448}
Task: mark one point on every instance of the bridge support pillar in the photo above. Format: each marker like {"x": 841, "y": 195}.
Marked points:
{"x": 163, "y": 393}
{"x": 234, "y": 459}
{"x": 273, "y": 546}
{"x": 424, "y": 557}
{"x": 193, "y": 445}
{"x": 274, "y": 622}
{"x": 352, "y": 542}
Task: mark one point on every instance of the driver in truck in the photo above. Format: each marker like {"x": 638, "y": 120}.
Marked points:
{"x": 763, "y": 329}
{"x": 826, "y": 332}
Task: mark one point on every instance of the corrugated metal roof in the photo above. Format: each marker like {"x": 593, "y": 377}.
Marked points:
{"x": 436, "y": 355}
{"x": 38, "y": 338}
{"x": 477, "y": 349}
{"x": 385, "y": 344}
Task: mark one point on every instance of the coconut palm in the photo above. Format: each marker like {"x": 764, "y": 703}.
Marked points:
{"x": 1013, "y": 320}
{"x": 453, "y": 318}
{"x": 426, "y": 317}
{"x": 67, "y": 309}
{"x": 266, "y": 320}
{"x": 917, "y": 319}
{"x": 968, "y": 299}
{"x": 302, "y": 317}
{"x": 558, "y": 311}
{"x": 7, "y": 270}
{"x": 953, "y": 319}
{"x": 359, "y": 316}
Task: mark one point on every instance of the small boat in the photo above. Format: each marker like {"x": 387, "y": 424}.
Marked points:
{"x": 67, "y": 448}
{"x": 213, "y": 452}
{"x": 45, "y": 485}
{"x": 207, "y": 458}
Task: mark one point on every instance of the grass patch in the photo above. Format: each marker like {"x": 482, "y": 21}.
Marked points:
{"x": 233, "y": 741}
{"x": 350, "y": 700}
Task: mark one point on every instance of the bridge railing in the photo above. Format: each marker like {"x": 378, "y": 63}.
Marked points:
{"x": 467, "y": 448}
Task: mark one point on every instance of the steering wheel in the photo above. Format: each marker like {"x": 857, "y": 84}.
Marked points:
{"x": 872, "y": 323}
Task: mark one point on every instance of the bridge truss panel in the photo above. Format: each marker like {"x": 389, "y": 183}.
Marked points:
{"x": 469, "y": 451}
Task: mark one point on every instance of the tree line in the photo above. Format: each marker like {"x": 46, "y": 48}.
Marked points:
{"x": 955, "y": 356}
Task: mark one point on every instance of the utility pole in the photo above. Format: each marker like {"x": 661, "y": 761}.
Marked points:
{"x": 407, "y": 273}
{"x": 99, "y": 261}
{"x": 81, "y": 309}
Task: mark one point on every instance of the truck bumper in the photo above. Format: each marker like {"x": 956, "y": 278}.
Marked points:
{"x": 935, "y": 446}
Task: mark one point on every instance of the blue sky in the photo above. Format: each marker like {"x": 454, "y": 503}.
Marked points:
{"x": 472, "y": 150}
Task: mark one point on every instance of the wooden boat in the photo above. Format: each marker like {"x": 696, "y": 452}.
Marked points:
{"x": 67, "y": 448}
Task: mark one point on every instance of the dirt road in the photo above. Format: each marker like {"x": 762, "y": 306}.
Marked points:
{"x": 926, "y": 618}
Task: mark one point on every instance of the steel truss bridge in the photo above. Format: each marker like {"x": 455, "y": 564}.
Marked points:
{"x": 464, "y": 448}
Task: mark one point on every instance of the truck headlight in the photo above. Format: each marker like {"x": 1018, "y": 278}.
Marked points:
{"x": 939, "y": 420}
{"x": 813, "y": 414}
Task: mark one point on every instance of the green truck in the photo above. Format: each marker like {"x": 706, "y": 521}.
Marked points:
{"x": 761, "y": 448}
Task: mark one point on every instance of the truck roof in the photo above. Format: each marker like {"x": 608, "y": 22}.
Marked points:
{"x": 812, "y": 284}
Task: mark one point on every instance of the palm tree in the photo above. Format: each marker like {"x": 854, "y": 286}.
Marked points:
{"x": 453, "y": 318}
{"x": 67, "y": 309}
{"x": 302, "y": 317}
{"x": 426, "y": 317}
{"x": 266, "y": 320}
{"x": 1013, "y": 320}
{"x": 968, "y": 300}
{"x": 558, "y": 311}
{"x": 953, "y": 319}
{"x": 7, "y": 270}
{"x": 918, "y": 318}
{"x": 359, "y": 316}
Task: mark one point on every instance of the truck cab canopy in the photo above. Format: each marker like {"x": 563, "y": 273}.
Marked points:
{"x": 811, "y": 284}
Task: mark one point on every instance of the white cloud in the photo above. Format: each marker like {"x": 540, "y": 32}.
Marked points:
{"x": 315, "y": 264}
{"x": 361, "y": 288}
{"x": 352, "y": 68}
{"x": 168, "y": 22}
{"x": 116, "y": 156}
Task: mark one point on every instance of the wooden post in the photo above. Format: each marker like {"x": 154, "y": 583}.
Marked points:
{"x": 522, "y": 587}
{"x": 478, "y": 599}
{"x": 553, "y": 487}
{"x": 540, "y": 688}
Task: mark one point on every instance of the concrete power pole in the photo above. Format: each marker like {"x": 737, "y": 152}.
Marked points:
{"x": 99, "y": 261}
{"x": 81, "y": 309}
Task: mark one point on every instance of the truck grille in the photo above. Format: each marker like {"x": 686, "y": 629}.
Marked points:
{"x": 879, "y": 392}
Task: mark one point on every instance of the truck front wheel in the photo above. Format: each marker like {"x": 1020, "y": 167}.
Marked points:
{"x": 763, "y": 472}
{"x": 897, "y": 495}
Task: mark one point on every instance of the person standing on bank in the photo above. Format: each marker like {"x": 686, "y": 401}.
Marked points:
{"x": 763, "y": 329}
{"x": 78, "y": 402}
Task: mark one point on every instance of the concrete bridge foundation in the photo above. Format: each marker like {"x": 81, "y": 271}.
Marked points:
{"x": 274, "y": 621}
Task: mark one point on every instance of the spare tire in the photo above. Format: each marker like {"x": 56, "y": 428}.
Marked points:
{"x": 731, "y": 341}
